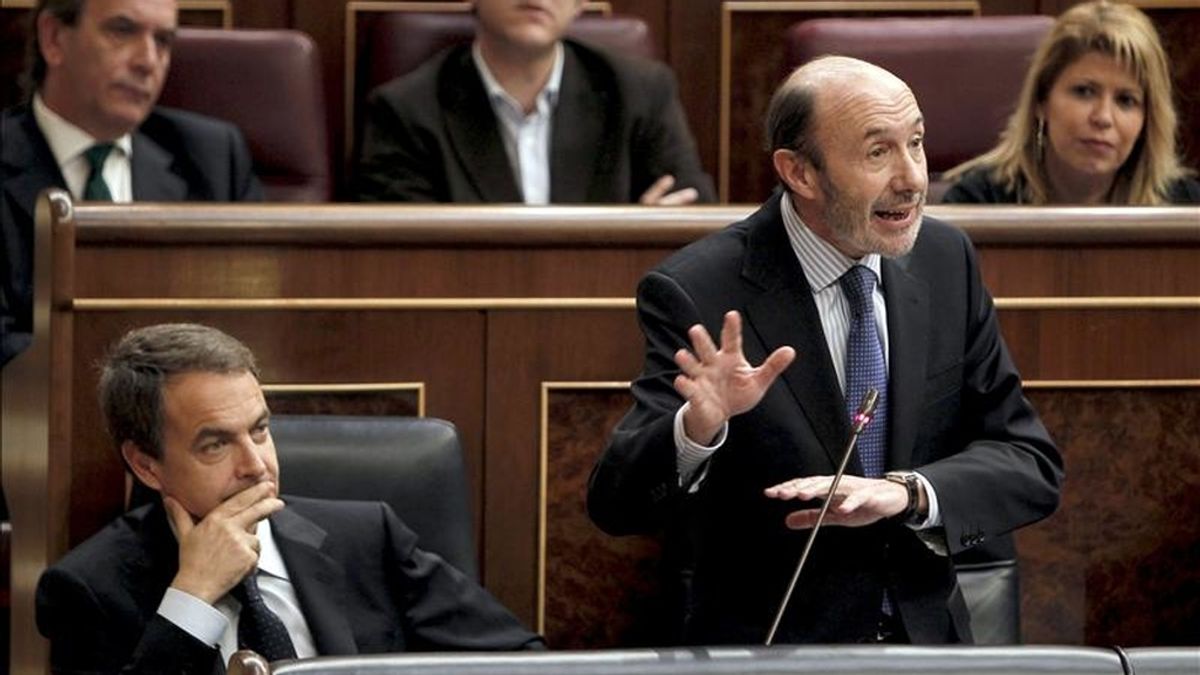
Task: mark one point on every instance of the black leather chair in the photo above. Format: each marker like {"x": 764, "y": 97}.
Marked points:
{"x": 415, "y": 464}
{"x": 840, "y": 660}
{"x": 993, "y": 595}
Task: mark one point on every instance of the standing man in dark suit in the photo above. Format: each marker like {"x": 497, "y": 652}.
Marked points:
{"x": 97, "y": 67}
{"x": 524, "y": 116}
{"x": 736, "y": 456}
{"x": 174, "y": 587}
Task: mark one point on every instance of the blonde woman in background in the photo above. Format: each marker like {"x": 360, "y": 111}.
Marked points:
{"x": 1094, "y": 124}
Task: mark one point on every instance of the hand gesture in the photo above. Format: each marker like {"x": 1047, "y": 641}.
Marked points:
{"x": 721, "y": 383}
{"x": 659, "y": 194}
{"x": 215, "y": 553}
{"x": 858, "y": 501}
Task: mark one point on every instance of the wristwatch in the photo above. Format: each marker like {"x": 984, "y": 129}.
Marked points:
{"x": 909, "y": 480}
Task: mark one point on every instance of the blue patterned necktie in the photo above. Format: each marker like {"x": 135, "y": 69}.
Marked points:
{"x": 259, "y": 628}
{"x": 96, "y": 190}
{"x": 865, "y": 367}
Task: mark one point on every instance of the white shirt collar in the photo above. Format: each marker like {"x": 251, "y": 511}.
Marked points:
{"x": 823, "y": 264}
{"x": 546, "y": 98}
{"x": 66, "y": 140}
{"x": 269, "y": 559}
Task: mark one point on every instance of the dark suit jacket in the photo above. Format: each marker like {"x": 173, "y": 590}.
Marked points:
{"x": 177, "y": 156}
{"x": 977, "y": 186}
{"x": 431, "y": 135}
{"x": 957, "y": 413}
{"x": 363, "y": 585}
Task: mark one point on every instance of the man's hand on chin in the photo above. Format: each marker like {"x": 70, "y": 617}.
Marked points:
{"x": 215, "y": 553}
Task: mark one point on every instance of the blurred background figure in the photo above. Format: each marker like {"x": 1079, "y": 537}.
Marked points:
{"x": 1094, "y": 124}
{"x": 523, "y": 115}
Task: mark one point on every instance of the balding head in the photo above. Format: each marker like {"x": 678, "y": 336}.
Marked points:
{"x": 847, "y": 141}
{"x": 795, "y": 109}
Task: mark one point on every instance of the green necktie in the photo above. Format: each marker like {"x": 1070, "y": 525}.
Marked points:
{"x": 96, "y": 190}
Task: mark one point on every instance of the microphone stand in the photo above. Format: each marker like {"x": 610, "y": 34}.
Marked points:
{"x": 866, "y": 412}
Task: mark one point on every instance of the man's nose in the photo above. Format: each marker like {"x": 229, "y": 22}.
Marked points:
{"x": 249, "y": 460}
{"x": 147, "y": 54}
{"x": 911, "y": 174}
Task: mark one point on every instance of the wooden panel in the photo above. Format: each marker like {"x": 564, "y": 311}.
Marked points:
{"x": 599, "y": 591}
{"x": 1114, "y": 564}
{"x": 486, "y": 309}
{"x": 525, "y": 350}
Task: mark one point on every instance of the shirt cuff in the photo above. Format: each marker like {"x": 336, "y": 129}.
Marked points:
{"x": 934, "y": 517}
{"x": 194, "y": 616}
{"x": 689, "y": 455}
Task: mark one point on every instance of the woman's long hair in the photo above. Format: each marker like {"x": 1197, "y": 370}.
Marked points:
{"x": 1124, "y": 33}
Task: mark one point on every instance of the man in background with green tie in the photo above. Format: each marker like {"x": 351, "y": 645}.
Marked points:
{"x": 96, "y": 68}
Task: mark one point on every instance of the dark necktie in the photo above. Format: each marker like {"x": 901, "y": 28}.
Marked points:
{"x": 259, "y": 628}
{"x": 96, "y": 190}
{"x": 865, "y": 367}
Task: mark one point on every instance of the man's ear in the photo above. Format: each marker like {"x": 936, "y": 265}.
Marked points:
{"x": 796, "y": 172}
{"x": 145, "y": 467}
{"x": 50, "y": 32}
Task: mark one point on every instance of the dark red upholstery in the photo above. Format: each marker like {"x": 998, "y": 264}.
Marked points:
{"x": 966, "y": 72}
{"x": 267, "y": 83}
{"x": 391, "y": 44}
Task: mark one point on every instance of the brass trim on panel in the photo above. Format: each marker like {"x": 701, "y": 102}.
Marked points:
{"x": 287, "y": 388}
{"x": 343, "y": 304}
{"x": 350, "y": 55}
{"x": 728, "y": 9}
{"x": 1089, "y": 303}
{"x": 1164, "y": 4}
{"x": 476, "y": 304}
{"x": 224, "y": 6}
{"x": 1111, "y": 384}
{"x": 543, "y": 465}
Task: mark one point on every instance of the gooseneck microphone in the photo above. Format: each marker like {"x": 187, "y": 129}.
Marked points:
{"x": 866, "y": 412}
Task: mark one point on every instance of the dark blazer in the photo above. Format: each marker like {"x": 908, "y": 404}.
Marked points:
{"x": 431, "y": 135}
{"x": 177, "y": 156}
{"x": 957, "y": 413}
{"x": 363, "y": 586}
{"x": 978, "y": 187}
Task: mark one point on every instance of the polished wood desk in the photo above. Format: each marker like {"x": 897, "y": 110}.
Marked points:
{"x": 518, "y": 325}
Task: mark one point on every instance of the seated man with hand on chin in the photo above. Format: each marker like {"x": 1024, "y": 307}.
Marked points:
{"x": 224, "y": 562}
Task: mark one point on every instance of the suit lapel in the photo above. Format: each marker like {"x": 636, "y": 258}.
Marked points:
{"x": 474, "y": 132}
{"x": 578, "y": 134}
{"x": 155, "y": 178}
{"x": 319, "y": 580}
{"x": 785, "y": 314}
{"x": 28, "y": 161}
{"x": 908, "y": 334}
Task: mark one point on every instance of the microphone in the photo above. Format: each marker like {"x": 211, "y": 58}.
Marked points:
{"x": 866, "y": 412}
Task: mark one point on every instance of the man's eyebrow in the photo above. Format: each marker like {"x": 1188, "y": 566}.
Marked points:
{"x": 122, "y": 20}
{"x": 210, "y": 432}
{"x": 883, "y": 131}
